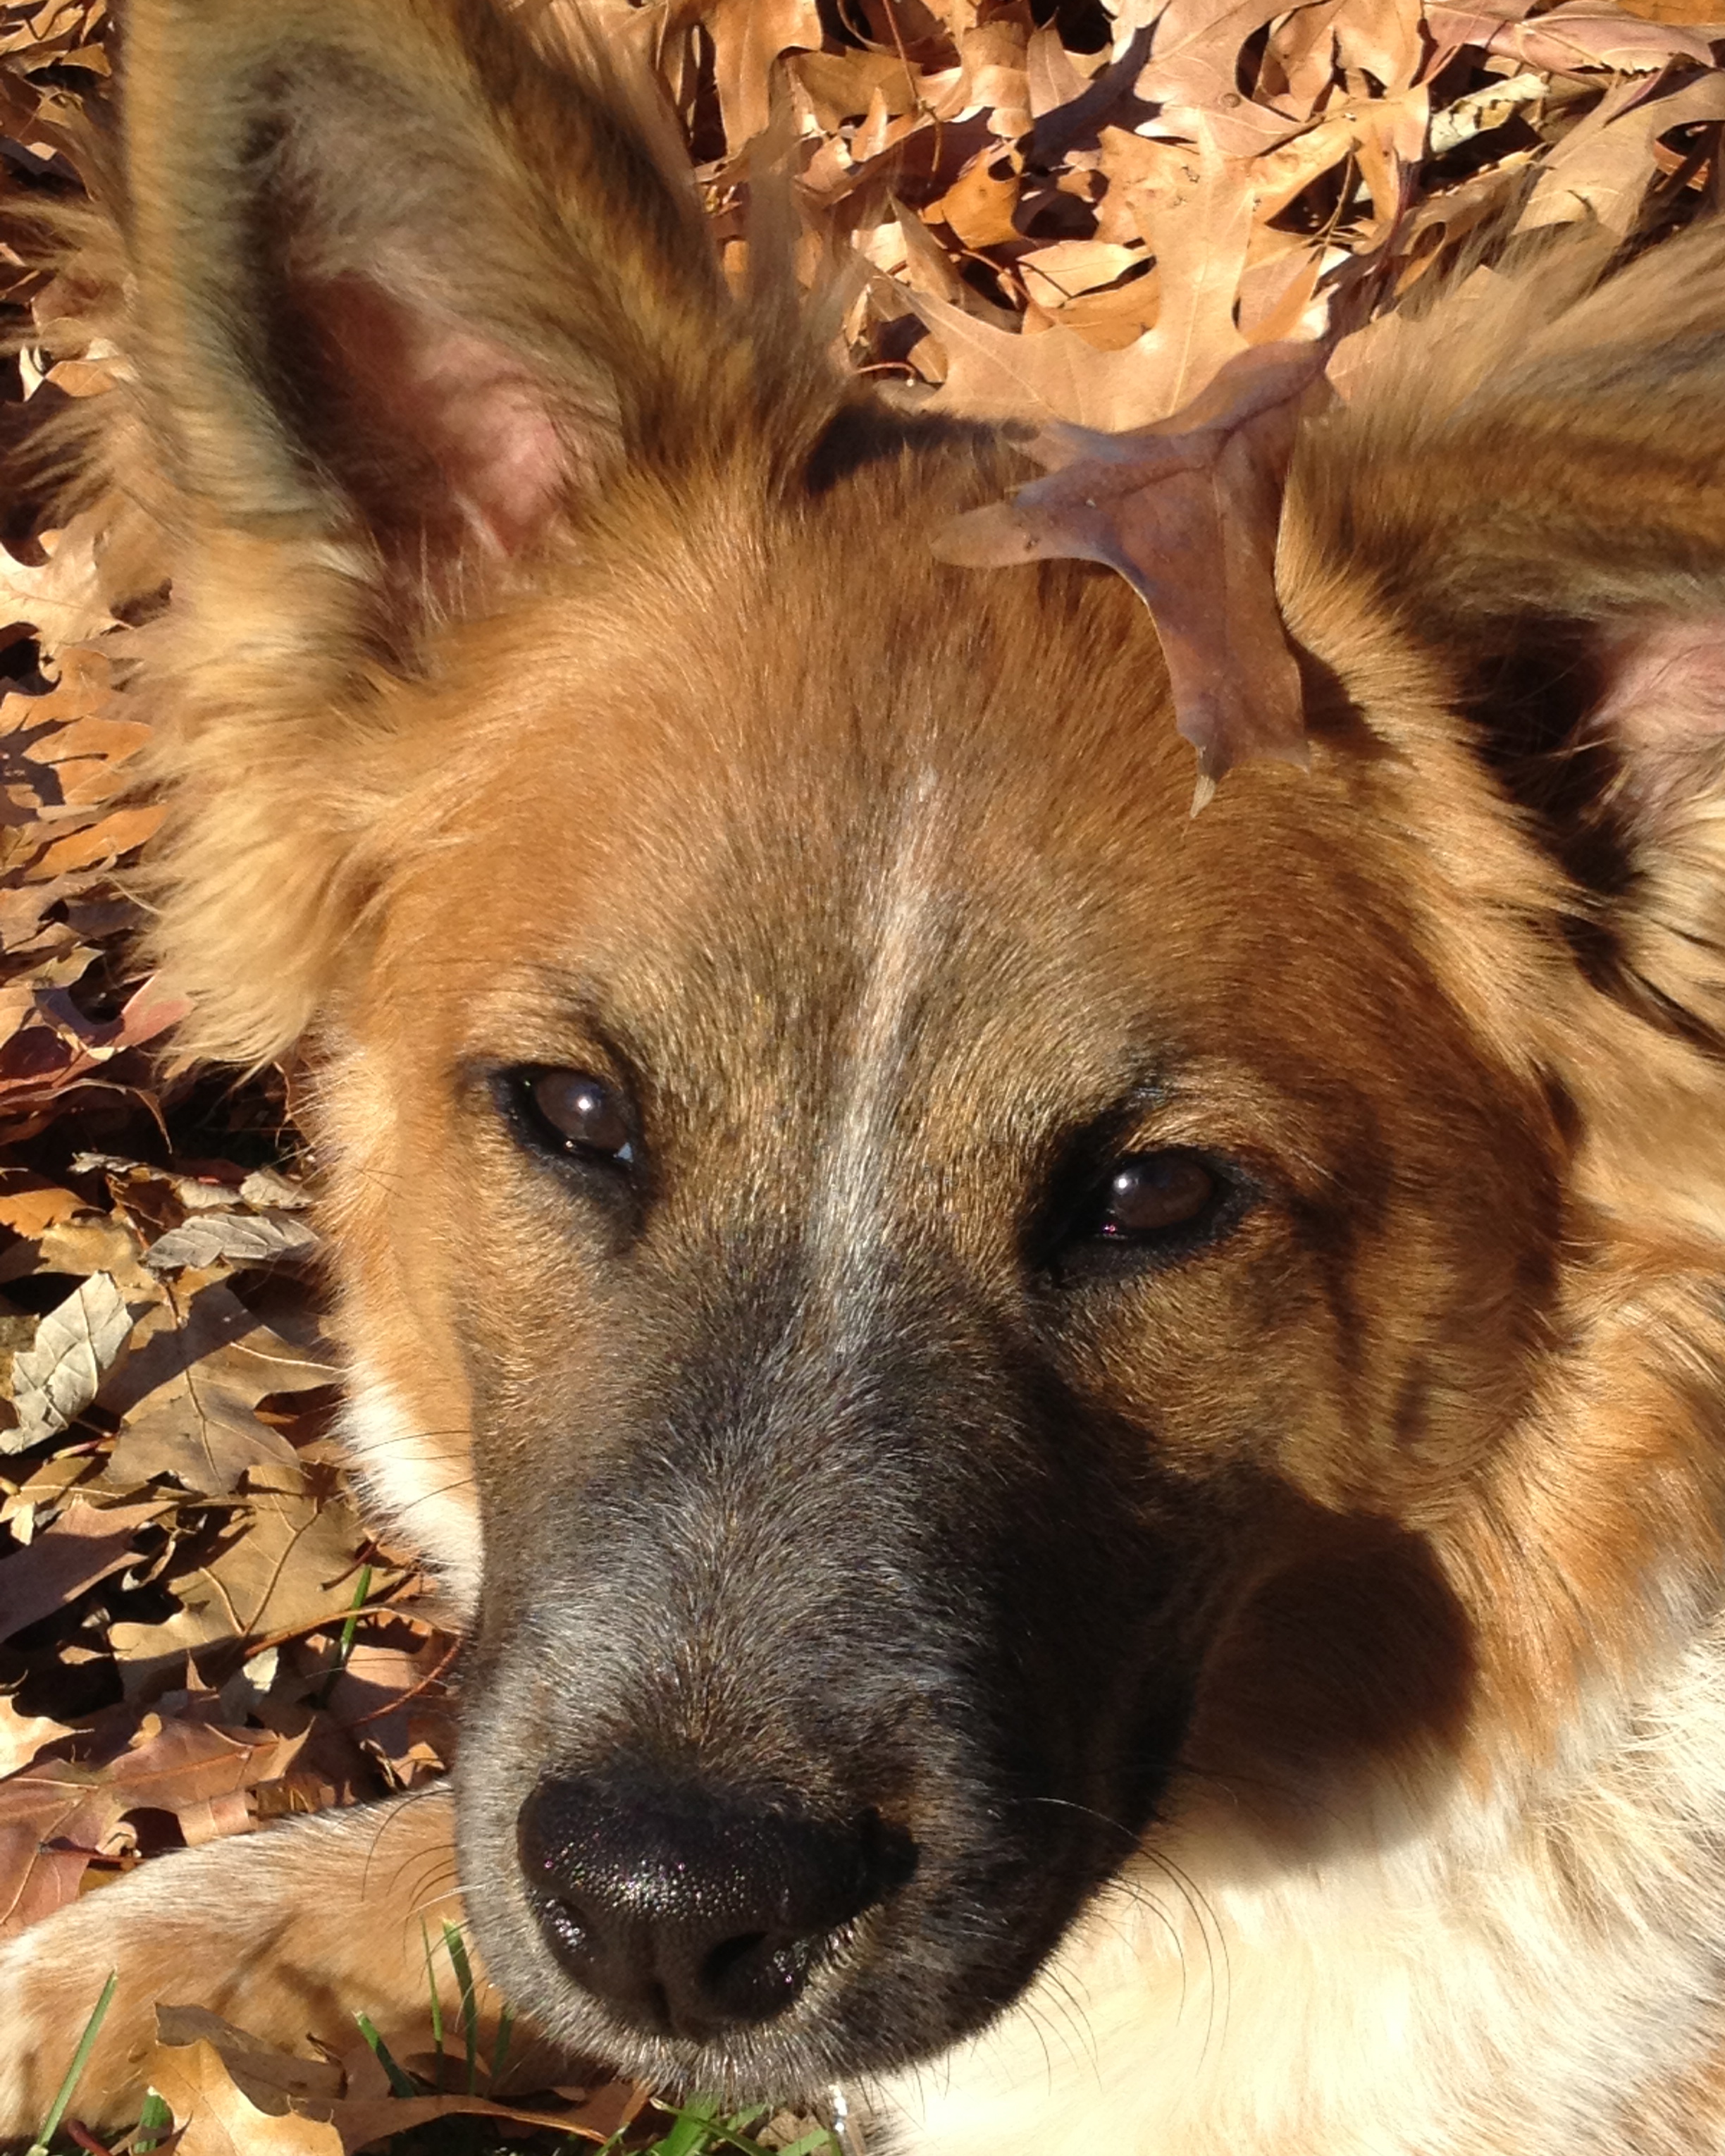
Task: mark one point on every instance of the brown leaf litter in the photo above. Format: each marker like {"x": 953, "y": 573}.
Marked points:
{"x": 1137, "y": 228}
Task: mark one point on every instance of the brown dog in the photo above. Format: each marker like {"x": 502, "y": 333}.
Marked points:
{"x": 1084, "y": 1444}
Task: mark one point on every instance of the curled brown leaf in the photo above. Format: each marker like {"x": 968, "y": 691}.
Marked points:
{"x": 1188, "y": 511}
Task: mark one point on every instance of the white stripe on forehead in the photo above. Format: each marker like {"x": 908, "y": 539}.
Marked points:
{"x": 900, "y": 935}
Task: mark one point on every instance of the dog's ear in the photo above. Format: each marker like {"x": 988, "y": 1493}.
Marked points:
{"x": 402, "y": 284}
{"x": 408, "y": 292}
{"x": 1532, "y": 484}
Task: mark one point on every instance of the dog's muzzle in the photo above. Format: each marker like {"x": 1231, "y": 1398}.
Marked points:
{"x": 689, "y": 1910}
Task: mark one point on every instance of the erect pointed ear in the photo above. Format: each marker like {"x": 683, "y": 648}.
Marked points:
{"x": 406, "y": 290}
{"x": 403, "y": 286}
{"x": 1533, "y": 481}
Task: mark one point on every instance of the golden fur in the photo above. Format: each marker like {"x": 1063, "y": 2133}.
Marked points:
{"x": 888, "y": 861}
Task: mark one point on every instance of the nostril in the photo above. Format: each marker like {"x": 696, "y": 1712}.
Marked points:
{"x": 754, "y": 1977}
{"x": 561, "y": 1919}
{"x": 689, "y": 1908}
{"x": 731, "y": 1955}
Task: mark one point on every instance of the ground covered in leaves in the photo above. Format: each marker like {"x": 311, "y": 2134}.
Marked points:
{"x": 1046, "y": 209}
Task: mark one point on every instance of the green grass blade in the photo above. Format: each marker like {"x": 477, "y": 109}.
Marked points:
{"x": 344, "y": 1645}
{"x": 691, "y": 2126}
{"x": 499, "y": 2050}
{"x": 154, "y": 2120}
{"x": 732, "y": 2133}
{"x": 729, "y": 2133}
{"x": 80, "y": 2060}
{"x": 437, "y": 2004}
{"x": 456, "y": 1948}
{"x": 401, "y": 2083}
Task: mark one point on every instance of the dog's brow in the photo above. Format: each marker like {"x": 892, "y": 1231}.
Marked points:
{"x": 582, "y": 1007}
{"x": 1144, "y": 1086}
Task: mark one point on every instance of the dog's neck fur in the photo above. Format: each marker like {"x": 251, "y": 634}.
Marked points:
{"x": 1516, "y": 1980}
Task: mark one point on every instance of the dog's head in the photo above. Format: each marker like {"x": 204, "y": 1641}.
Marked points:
{"x": 950, "y": 1318}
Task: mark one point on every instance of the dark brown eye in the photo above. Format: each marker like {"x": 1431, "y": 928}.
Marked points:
{"x": 1151, "y": 1193}
{"x": 581, "y": 1111}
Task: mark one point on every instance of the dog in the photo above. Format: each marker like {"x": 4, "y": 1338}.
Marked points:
{"x": 1083, "y": 1445}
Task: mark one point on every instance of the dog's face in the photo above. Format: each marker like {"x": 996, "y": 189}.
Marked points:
{"x": 944, "y": 1312}
{"x": 954, "y": 1269}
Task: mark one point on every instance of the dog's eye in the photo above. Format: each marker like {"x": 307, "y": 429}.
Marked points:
{"x": 1149, "y": 1193}
{"x": 1153, "y": 1207}
{"x": 579, "y": 1113}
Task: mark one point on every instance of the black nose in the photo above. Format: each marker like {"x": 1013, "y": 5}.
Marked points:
{"x": 689, "y": 1909}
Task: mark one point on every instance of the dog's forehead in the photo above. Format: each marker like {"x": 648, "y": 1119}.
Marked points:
{"x": 773, "y": 803}
{"x": 986, "y": 929}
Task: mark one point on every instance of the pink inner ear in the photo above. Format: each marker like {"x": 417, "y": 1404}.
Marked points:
{"x": 1665, "y": 685}
{"x": 423, "y": 393}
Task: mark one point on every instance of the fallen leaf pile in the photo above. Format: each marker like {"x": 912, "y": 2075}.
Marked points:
{"x": 1073, "y": 213}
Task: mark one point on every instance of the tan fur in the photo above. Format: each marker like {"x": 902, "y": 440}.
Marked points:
{"x": 887, "y": 858}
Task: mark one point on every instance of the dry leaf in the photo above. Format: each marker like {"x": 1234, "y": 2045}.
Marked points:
{"x": 748, "y": 36}
{"x": 52, "y": 1820}
{"x": 1054, "y": 375}
{"x": 188, "y": 1389}
{"x": 218, "y": 2118}
{"x": 1196, "y": 47}
{"x": 268, "y": 2076}
{"x": 1072, "y": 266}
{"x": 56, "y": 1816}
{"x": 1382, "y": 39}
{"x": 1575, "y": 37}
{"x": 62, "y": 600}
{"x": 232, "y": 2095}
{"x": 83, "y": 1545}
{"x": 980, "y": 205}
{"x": 239, "y": 1238}
{"x": 57, "y": 1376}
{"x": 1200, "y": 240}
{"x": 359, "y": 2125}
{"x": 285, "y": 1563}
{"x": 30, "y": 1205}
{"x": 25, "y": 1737}
{"x": 1603, "y": 168}
{"x": 1188, "y": 511}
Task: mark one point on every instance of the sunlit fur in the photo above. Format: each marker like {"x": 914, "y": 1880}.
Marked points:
{"x": 1299, "y": 1661}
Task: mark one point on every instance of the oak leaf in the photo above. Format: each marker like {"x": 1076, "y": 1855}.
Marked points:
{"x": 232, "y": 2094}
{"x": 1200, "y": 234}
{"x": 216, "y": 2116}
{"x": 60, "y": 1372}
{"x": 56, "y": 1816}
{"x": 1195, "y": 47}
{"x": 82, "y": 1546}
{"x": 188, "y": 1389}
{"x": 1603, "y": 168}
{"x": 285, "y": 1563}
{"x": 62, "y": 599}
{"x": 1188, "y": 511}
{"x": 1575, "y": 37}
